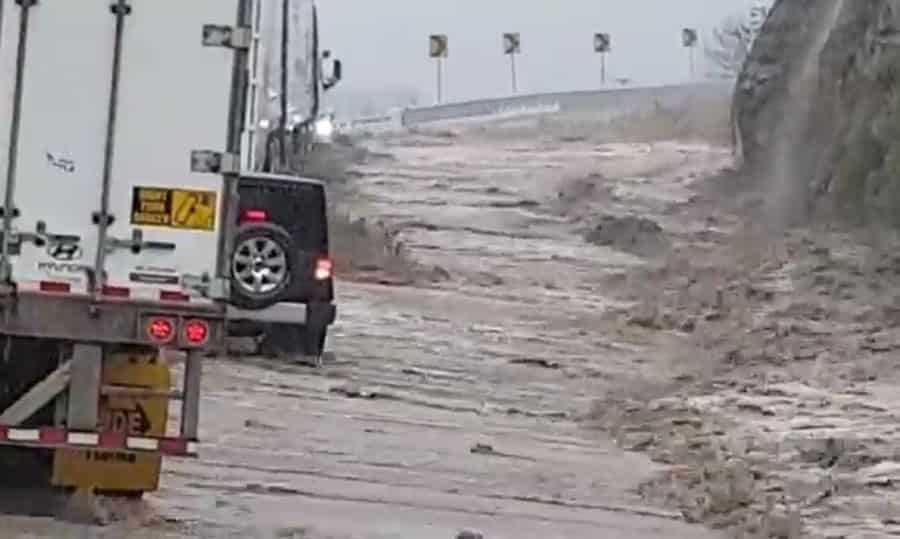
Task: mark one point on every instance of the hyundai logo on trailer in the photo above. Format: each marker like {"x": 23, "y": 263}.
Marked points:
{"x": 65, "y": 251}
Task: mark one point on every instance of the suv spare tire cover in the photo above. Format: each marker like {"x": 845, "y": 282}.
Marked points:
{"x": 262, "y": 265}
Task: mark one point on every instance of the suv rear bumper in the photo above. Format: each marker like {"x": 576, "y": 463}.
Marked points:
{"x": 302, "y": 314}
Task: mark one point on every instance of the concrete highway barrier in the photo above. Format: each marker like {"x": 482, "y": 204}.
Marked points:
{"x": 614, "y": 102}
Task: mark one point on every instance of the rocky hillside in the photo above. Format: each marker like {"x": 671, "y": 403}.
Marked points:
{"x": 817, "y": 107}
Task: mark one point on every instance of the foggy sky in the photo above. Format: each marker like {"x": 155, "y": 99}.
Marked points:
{"x": 384, "y": 43}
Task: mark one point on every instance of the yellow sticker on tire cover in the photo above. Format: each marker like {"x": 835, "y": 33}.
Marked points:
{"x": 185, "y": 209}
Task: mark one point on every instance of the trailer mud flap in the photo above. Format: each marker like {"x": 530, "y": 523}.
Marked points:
{"x": 120, "y": 472}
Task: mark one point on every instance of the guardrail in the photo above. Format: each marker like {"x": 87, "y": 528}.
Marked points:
{"x": 614, "y": 102}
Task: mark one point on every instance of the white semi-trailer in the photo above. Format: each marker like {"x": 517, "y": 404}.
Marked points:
{"x": 129, "y": 128}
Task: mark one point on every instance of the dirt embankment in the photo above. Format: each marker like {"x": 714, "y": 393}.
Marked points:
{"x": 817, "y": 104}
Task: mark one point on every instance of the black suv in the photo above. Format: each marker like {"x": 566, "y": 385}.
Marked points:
{"x": 282, "y": 288}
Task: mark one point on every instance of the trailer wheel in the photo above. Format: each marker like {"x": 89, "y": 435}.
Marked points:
{"x": 261, "y": 265}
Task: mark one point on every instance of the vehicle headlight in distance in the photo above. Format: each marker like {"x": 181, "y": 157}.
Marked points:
{"x": 324, "y": 128}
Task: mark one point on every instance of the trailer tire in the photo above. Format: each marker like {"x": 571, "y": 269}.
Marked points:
{"x": 262, "y": 265}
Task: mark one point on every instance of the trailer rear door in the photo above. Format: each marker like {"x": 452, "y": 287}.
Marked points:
{"x": 106, "y": 101}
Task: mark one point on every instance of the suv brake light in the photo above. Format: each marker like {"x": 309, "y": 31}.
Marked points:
{"x": 254, "y": 216}
{"x": 324, "y": 268}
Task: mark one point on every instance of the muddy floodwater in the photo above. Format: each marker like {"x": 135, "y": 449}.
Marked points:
{"x": 455, "y": 404}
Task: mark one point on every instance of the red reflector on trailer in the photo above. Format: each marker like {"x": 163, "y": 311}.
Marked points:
{"x": 324, "y": 268}
{"x": 254, "y": 216}
{"x": 49, "y": 436}
{"x": 171, "y": 295}
{"x": 55, "y": 286}
{"x": 116, "y": 291}
{"x": 161, "y": 329}
{"x": 196, "y": 332}
{"x": 173, "y": 446}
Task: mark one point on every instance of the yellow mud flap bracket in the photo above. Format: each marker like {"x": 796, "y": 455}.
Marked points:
{"x": 134, "y": 403}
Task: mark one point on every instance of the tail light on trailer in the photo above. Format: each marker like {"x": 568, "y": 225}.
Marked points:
{"x": 324, "y": 269}
{"x": 196, "y": 332}
{"x": 160, "y": 330}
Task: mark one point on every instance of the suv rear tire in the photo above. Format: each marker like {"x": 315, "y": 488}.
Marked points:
{"x": 262, "y": 265}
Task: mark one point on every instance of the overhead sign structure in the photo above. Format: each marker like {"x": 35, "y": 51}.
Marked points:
{"x": 602, "y": 43}
{"x": 512, "y": 45}
{"x": 438, "y": 48}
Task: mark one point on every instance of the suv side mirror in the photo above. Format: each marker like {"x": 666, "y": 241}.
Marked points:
{"x": 330, "y": 81}
{"x": 337, "y": 71}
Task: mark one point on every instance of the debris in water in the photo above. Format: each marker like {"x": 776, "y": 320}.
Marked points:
{"x": 259, "y": 425}
{"x": 482, "y": 449}
{"x": 536, "y": 362}
{"x": 551, "y": 414}
{"x": 629, "y": 233}
{"x": 354, "y": 392}
{"x": 292, "y": 533}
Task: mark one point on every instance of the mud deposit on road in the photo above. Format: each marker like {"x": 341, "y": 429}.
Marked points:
{"x": 459, "y": 401}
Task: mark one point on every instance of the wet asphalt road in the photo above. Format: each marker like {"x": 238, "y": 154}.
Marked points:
{"x": 450, "y": 406}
